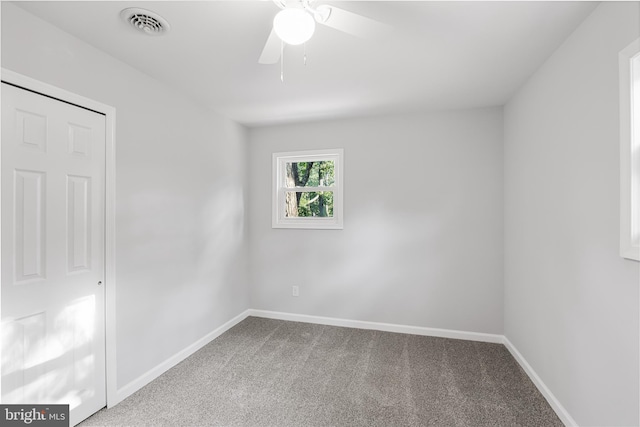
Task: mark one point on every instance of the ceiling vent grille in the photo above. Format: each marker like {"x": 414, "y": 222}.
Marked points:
{"x": 145, "y": 21}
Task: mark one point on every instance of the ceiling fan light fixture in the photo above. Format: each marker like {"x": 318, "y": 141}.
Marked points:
{"x": 294, "y": 26}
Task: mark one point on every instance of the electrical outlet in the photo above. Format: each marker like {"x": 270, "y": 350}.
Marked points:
{"x": 295, "y": 291}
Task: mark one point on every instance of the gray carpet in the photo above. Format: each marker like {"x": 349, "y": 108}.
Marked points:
{"x": 266, "y": 372}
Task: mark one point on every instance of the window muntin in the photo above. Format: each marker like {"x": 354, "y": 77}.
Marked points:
{"x": 308, "y": 189}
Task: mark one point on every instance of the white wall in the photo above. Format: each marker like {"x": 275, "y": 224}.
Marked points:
{"x": 422, "y": 239}
{"x": 180, "y": 201}
{"x": 571, "y": 302}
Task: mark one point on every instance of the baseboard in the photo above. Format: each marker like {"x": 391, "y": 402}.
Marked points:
{"x": 562, "y": 413}
{"x": 387, "y": 327}
{"x": 160, "y": 369}
{"x": 155, "y": 372}
{"x": 555, "y": 404}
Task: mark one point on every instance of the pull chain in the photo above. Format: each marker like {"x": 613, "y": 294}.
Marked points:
{"x": 282, "y": 61}
{"x": 304, "y": 59}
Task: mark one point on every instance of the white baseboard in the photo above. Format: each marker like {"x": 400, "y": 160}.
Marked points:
{"x": 562, "y": 413}
{"x": 160, "y": 369}
{"x": 155, "y": 372}
{"x": 387, "y": 327}
{"x": 555, "y": 404}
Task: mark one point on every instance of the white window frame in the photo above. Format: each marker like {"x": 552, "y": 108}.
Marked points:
{"x": 629, "y": 154}
{"x": 278, "y": 219}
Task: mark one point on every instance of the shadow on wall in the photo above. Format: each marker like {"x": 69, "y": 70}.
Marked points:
{"x": 208, "y": 283}
{"x": 388, "y": 259}
{"x": 436, "y": 264}
{"x": 374, "y": 264}
{"x": 178, "y": 275}
{"x": 177, "y": 234}
{"x": 223, "y": 219}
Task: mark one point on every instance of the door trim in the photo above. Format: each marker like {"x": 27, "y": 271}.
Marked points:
{"x": 109, "y": 112}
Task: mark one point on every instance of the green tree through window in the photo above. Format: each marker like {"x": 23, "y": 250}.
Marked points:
{"x": 307, "y": 189}
{"x": 316, "y": 176}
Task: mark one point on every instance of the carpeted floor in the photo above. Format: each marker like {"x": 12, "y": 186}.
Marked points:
{"x": 266, "y": 372}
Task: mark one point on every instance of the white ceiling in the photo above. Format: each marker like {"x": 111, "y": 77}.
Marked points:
{"x": 441, "y": 55}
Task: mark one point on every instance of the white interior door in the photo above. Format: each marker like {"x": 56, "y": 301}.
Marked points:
{"x": 53, "y": 201}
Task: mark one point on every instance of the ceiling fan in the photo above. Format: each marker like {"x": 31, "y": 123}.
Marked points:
{"x": 296, "y": 21}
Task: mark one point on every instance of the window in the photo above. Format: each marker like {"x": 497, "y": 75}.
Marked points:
{"x": 630, "y": 151}
{"x": 307, "y": 189}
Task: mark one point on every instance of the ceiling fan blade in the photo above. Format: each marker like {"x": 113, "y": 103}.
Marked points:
{"x": 352, "y": 23}
{"x": 271, "y": 51}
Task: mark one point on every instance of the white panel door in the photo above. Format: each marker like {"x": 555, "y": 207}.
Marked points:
{"x": 53, "y": 200}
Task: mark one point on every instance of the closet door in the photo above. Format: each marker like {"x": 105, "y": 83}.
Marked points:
{"x": 53, "y": 301}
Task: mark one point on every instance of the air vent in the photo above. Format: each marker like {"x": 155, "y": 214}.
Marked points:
{"x": 146, "y": 21}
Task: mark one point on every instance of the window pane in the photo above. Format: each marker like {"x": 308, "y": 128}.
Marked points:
{"x": 310, "y": 174}
{"x": 309, "y": 204}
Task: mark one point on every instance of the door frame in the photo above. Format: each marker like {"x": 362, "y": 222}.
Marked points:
{"x": 109, "y": 112}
